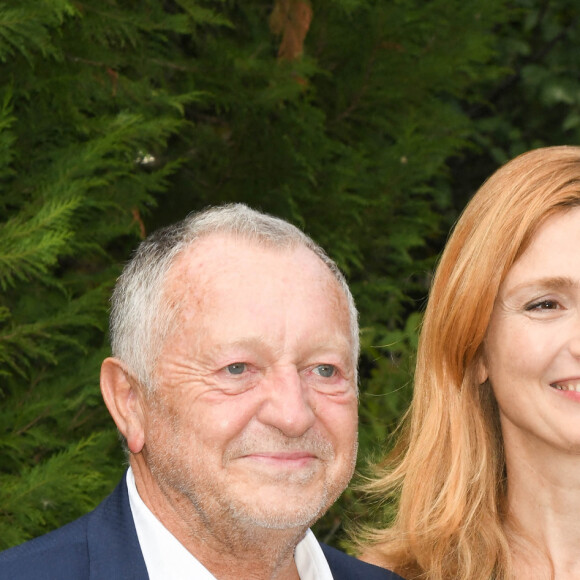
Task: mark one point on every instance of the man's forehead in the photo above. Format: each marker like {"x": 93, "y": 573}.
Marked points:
{"x": 216, "y": 253}
{"x": 219, "y": 269}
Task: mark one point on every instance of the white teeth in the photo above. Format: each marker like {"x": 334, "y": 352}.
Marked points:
{"x": 567, "y": 387}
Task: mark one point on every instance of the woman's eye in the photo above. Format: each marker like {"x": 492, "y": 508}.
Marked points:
{"x": 326, "y": 371}
{"x": 236, "y": 368}
{"x": 543, "y": 305}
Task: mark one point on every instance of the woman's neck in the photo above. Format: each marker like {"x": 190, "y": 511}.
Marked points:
{"x": 543, "y": 502}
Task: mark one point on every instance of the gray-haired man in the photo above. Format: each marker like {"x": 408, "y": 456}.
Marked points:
{"x": 233, "y": 383}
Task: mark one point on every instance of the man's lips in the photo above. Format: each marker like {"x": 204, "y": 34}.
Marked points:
{"x": 282, "y": 458}
{"x": 271, "y": 450}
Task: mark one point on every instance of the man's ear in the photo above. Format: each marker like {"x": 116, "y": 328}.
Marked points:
{"x": 120, "y": 392}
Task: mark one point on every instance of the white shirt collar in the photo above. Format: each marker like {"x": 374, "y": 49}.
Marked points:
{"x": 167, "y": 559}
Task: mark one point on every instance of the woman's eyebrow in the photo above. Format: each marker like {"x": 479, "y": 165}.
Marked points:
{"x": 548, "y": 283}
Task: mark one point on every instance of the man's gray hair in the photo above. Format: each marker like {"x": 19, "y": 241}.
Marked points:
{"x": 142, "y": 314}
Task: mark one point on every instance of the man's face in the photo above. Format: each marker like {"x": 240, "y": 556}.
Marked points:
{"x": 254, "y": 419}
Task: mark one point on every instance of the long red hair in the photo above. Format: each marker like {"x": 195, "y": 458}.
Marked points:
{"x": 447, "y": 469}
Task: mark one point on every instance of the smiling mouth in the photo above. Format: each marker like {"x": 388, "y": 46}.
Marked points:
{"x": 567, "y": 386}
{"x": 282, "y": 456}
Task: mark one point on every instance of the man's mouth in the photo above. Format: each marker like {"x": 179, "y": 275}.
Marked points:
{"x": 296, "y": 456}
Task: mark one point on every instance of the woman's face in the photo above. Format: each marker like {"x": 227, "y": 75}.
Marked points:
{"x": 532, "y": 347}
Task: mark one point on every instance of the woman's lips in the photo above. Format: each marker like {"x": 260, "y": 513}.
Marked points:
{"x": 569, "y": 388}
{"x": 567, "y": 385}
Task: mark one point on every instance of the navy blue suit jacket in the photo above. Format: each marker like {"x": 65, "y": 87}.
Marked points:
{"x": 103, "y": 545}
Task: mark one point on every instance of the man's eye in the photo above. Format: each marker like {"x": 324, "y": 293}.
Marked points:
{"x": 236, "y": 368}
{"x": 325, "y": 371}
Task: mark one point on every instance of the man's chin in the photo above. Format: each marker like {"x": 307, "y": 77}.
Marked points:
{"x": 280, "y": 505}
{"x": 290, "y": 517}
{"x": 271, "y": 471}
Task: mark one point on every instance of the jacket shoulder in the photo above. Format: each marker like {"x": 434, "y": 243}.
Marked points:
{"x": 101, "y": 545}
{"x": 345, "y": 567}
{"x": 62, "y": 553}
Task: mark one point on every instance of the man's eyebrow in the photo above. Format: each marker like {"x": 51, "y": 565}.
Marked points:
{"x": 247, "y": 342}
{"x": 333, "y": 346}
{"x": 262, "y": 343}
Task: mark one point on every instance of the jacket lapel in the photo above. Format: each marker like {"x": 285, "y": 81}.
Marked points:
{"x": 113, "y": 546}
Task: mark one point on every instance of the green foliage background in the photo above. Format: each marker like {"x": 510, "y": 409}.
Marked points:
{"x": 118, "y": 117}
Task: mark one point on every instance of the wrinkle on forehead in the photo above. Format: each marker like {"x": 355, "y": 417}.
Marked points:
{"x": 194, "y": 279}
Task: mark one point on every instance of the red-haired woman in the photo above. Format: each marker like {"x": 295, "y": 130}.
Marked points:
{"x": 486, "y": 473}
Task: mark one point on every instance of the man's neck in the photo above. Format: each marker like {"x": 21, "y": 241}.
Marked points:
{"x": 266, "y": 561}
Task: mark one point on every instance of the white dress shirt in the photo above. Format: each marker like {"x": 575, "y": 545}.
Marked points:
{"x": 167, "y": 559}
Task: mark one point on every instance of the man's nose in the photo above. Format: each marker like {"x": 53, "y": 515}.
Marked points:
{"x": 286, "y": 404}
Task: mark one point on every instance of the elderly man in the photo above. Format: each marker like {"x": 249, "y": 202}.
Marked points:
{"x": 233, "y": 384}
